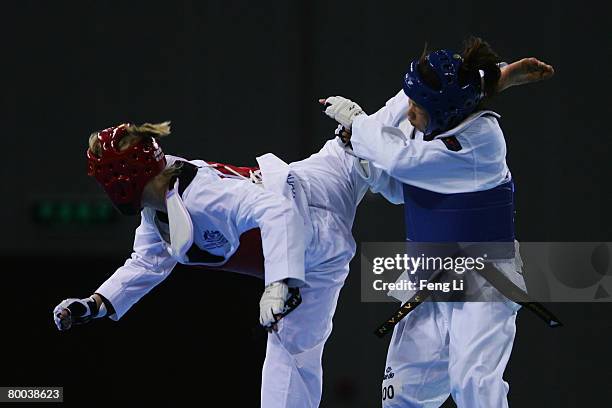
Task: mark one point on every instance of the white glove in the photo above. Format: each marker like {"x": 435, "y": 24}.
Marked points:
{"x": 342, "y": 110}
{"x": 277, "y": 301}
{"x": 76, "y": 311}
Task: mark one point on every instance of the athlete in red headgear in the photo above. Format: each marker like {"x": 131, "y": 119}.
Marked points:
{"x": 124, "y": 172}
{"x": 293, "y": 230}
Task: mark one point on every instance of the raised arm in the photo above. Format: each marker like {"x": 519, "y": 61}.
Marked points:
{"x": 521, "y": 72}
{"x": 147, "y": 267}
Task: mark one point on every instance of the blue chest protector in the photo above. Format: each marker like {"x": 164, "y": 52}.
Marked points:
{"x": 481, "y": 216}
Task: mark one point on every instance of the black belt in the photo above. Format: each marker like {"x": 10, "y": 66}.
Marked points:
{"x": 496, "y": 279}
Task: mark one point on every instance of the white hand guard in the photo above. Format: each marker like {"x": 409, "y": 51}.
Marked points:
{"x": 76, "y": 311}
{"x": 342, "y": 110}
{"x": 277, "y": 301}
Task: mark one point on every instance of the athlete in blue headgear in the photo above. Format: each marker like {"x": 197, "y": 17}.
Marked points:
{"x": 436, "y": 137}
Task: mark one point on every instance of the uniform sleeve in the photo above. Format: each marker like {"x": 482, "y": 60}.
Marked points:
{"x": 428, "y": 164}
{"x": 149, "y": 264}
{"x": 387, "y": 113}
{"x": 379, "y": 181}
{"x": 244, "y": 206}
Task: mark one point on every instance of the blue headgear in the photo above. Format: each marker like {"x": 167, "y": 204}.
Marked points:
{"x": 451, "y": 103}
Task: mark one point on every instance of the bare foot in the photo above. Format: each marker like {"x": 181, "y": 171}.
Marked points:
{"x": 523, "y": 72}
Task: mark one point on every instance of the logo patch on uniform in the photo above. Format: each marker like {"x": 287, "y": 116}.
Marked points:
{"x": 213, "y": 239}
{"x": 388, "y": 374}
{"x": 451, "y": 143}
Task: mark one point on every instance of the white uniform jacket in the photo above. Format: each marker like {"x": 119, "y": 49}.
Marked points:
{"x": 469, "y": 157}
{"x": 391, "y": 143}
{"x": 221, "y": 208}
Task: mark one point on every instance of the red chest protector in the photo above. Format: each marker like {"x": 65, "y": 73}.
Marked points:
{"x": 248, "y": 258}
{"x": 229, "y": 170}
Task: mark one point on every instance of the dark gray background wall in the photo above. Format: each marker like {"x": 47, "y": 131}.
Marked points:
{"x": 239, "y": 79}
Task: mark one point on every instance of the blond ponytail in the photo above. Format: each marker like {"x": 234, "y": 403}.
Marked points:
{"x": 157, "y": 130}
{"x": 135, "y": 133}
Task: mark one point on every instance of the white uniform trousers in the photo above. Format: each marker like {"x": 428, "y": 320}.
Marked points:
{"x": 456, "y": 348}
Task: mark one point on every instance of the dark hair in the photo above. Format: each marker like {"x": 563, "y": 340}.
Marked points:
{"x": 429, "y": 77}
{"x": 477, "y": 55}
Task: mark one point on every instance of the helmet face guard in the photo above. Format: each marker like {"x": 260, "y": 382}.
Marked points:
{"x": 124, "y": 174}
{"x": 451, "y": 103}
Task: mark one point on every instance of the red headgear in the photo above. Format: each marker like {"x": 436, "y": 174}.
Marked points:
{"x": 124, "y": 174}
